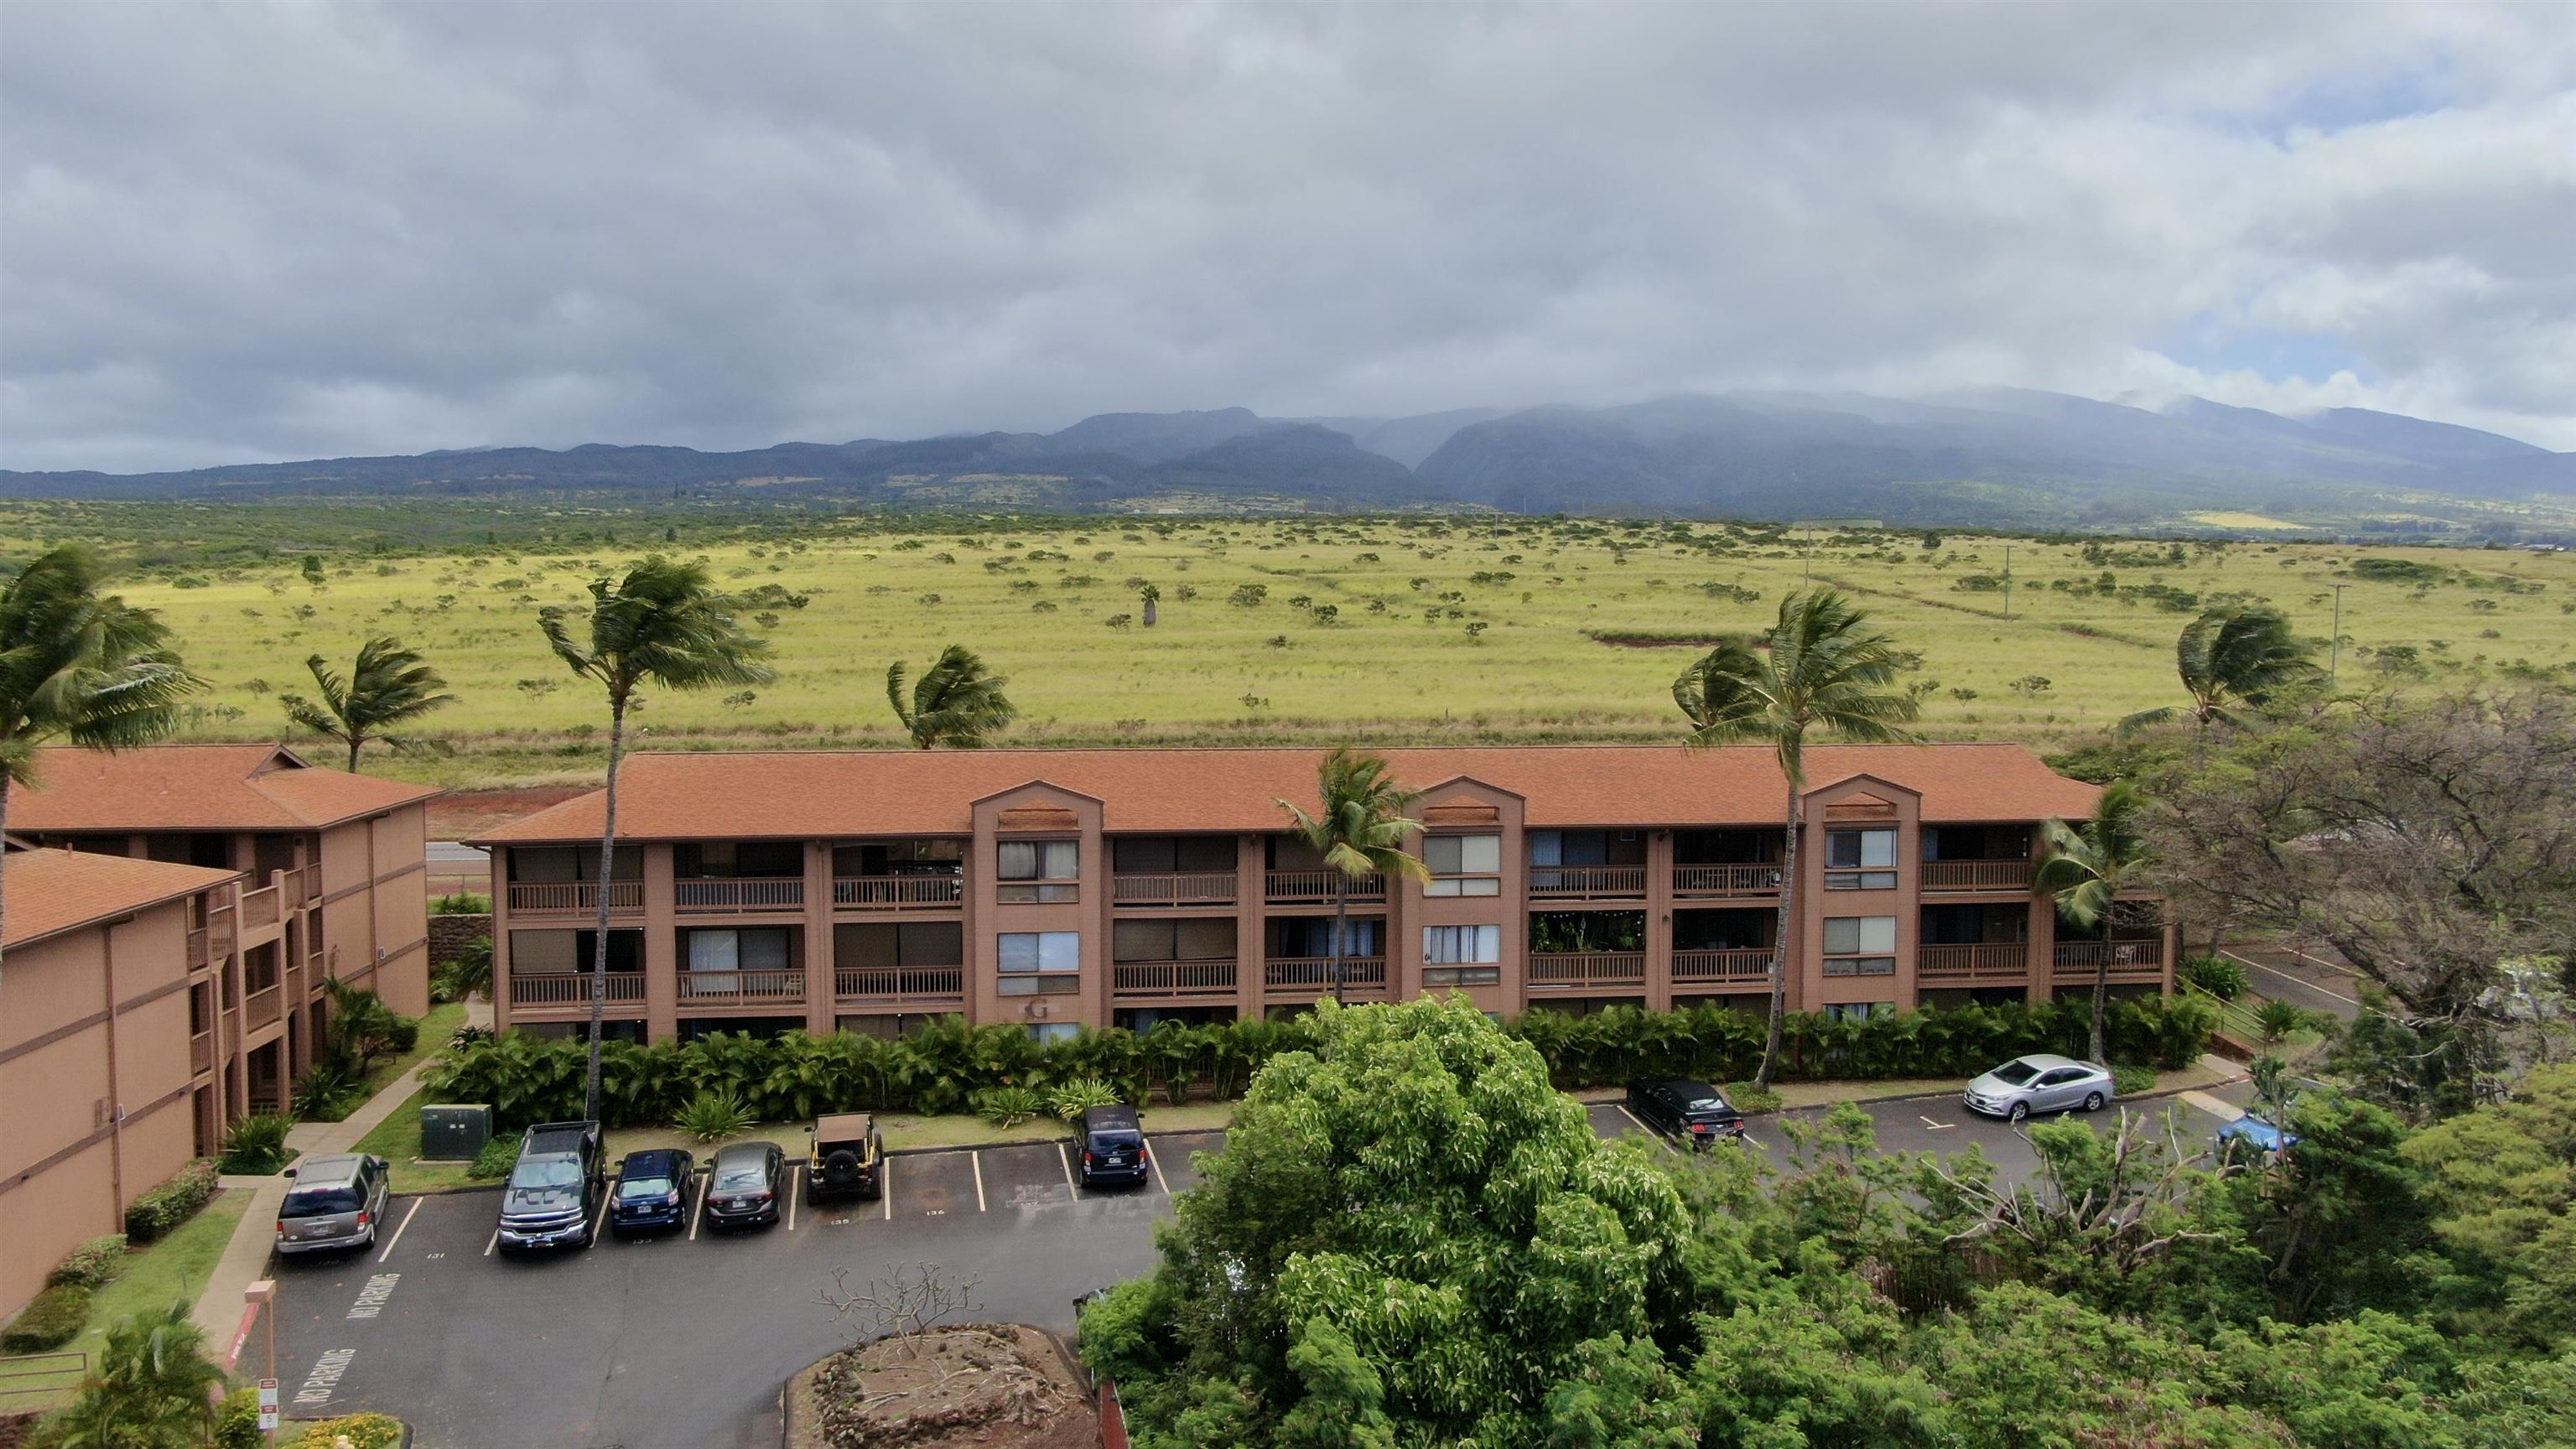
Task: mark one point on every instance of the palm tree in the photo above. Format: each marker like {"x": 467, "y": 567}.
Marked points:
{"x": 78, "y": 664}
{"x": 1359, "y": 831}
{"x": 2086, "y": 870}
{"x": 388, "y": 685}
{"x": 152, "y": 1385}
{"x": 2243, "y": 653}
{"x": 1152, "y": 595}
{"x": 955, "y": 702}
{"x": 1822, "y": 670}
{"x": 664, "y": 624}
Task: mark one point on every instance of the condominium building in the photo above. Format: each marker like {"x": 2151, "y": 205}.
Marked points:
{"x": 331, "y": 869}
{"x": 868, "y": 890}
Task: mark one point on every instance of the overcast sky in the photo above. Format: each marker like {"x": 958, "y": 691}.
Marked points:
{"x": 234, "y": 232}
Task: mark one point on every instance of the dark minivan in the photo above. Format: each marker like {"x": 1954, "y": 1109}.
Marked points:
{"x": 1680, "y": 1107}
{"x": 1113, "y": 1146}
{"x": 652, "y": 1190}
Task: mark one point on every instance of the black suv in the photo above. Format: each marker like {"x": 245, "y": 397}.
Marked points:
{"x": 1113, "y": 1146}
{"x": 652, "y": 1190}
{"x": 554, "y": 1192}
{"x": 1683, "y": 1108}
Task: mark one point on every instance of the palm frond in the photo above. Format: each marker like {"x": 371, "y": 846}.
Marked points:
{"x": 79, "y": 664}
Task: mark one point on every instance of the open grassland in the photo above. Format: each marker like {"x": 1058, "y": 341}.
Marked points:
{"x": 1321, "y": 629}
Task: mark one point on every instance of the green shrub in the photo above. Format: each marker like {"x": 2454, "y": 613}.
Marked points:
{"x": 158, "y": 1209}
{"x": 237, "y": 1421}
{"x": 496, "y": 1159}
{"x": 2216, "y": 975}
{"x": 328, "y": 1092}
{"x": 1746, "y": 1097}
{"x": 51, "y": 1319}
{"x": 715, "y": 1116}
{"x": 461, "y": 903}
{"x": 93, "y": 1264}
{"x": 2277, "y": 1019}
{"x": 1009, "y": 1106}
{"x": 363, "y": 1431}
{"x": 2131, "y": 1081}
{"x": 256, "y": 1145}
{"x": 1073, "y": 1098}
{"x": 466, "y": 974}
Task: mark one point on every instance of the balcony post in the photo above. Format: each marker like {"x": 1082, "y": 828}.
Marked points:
{"x": 1659, "y": 920}
{"x": 1251, "y": 938}
{"x": 2043, "y": 949}
{"x": 661, "y": 953}
{"x": 819, "y": 960}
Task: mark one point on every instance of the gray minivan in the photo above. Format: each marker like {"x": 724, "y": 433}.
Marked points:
{"x": 336, "y": 1203}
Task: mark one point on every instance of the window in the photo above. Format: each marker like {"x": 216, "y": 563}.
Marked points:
{"x": 1038, "y": 963}
{"x": 1860, "y": 860}
{"x": 762, "y": 950}
{"x": 735, "y": 860}
{"x": 1029, "y": 868}
{"x": 1439, "y": 978}
{"x": 1172, "y": 854}
{"x": 1043, "y": 1032}
{"x": 1455, "y": 945}
{"x": 1463, "y": 865}
{"x": 1199, "y": 939}
{"x": 909, "y": 943}
{"x": 899, "y": 857}
{"x": 1860, "y": 945}
{"x": 1294, "y": 937}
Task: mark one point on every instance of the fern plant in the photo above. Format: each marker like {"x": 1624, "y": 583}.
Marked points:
{"x": 256, "y": 1146}
{"x": 1010, "y": 1106}
{"x": 1071, "y": 1099}
{"x": 714, "y": 1116}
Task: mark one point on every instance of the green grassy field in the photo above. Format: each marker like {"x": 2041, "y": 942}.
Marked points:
{"x": 1362, "y": 628}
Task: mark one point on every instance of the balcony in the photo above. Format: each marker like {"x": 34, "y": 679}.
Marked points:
{"x": 1163, "y": 979}
{"x": 261, "y": 1007}
{"x": 866, "y": 983}
{"x": 572, "y": 988}
{"x": 259, "y": 908}
{"x": 722, "y": 896}
{"x": 1315, "y": 887}
{"x": 1182, "y": 888}
{"x": 1613, "y": 881}
{"x": 1586, "y": 968}
{"x": 1977, "y": 875}
{"x": 2131, "y": 961}
{"x": 1721, "y": 882}
{"x": 200, "y": 949}
{"x": 1718, "y": 967}
{"x": 574, "y": 897}
{"x": 1363, "y": 976}
{"x": 898, "y": 892}
{"x": 2000, "y": 961}
{"x": 741, "y": 988}
{"x": 201, "y": 1052}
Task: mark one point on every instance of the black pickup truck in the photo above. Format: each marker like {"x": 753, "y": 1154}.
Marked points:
{"x": 554, "y": 1193}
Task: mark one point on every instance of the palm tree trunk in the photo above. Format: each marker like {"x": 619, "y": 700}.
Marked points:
{"x": 354, "y": 742}
{"x": 607, "y": 874}
{"x": 1333, "y": 954}
{"x": 2101, "y": 987}
{"x": 1780, "y": 945}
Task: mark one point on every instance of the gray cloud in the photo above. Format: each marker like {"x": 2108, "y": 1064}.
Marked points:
{"x": 236, "y": 232}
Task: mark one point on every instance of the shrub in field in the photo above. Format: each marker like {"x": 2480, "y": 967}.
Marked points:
{"x": 2129, "y": 1081}
{"x": 158, "y": 1209}
{"x": 2216, "y": 975}
{"x": 51, "y": 1319}
{"x": 93, "y": 1264}
{"x": 256, "y": 1145}
{"x": 714, "y": 1116}
{"x": 2277, "y": 1019}
{"x": 1009, "y": 1106}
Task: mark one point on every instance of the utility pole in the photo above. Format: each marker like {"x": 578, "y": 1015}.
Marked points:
{"x": 2334, "y": 646}
{"x": 2007, "y": 581}
{"x": 1811, "y": 555}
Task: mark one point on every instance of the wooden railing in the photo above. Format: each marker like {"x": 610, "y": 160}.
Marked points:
{"x": 1315, "y": 887}
{"x": 261, "y": 1007}
{"x": 550, "y": 896}
{"x": 1170, "y": 888}
{"x": 201, "y": 1051}
{"x": 1587, "y": 880}
{"x": 1587, "y": 968}
{"x": 311, "y": 889}
{"x": 726, "y": 988}
{"x": 899, "y": 981}
{"x": 1736, "y": 965}
{"x": 1977, "y": 875}
{"x": 200, "y": 949}
{"x": 572, "y": 988}
{"x": 1726, "y": 880}
{"x": 898, "y": 892}
{"x": 701, "y": 897}
{"x": 1361, "y": 975}
{"x": 259, "y": 908}
{"x": 2130, "y": 960}
{"x": 1173, "y": 978}
{"x": 1983, "y": 961}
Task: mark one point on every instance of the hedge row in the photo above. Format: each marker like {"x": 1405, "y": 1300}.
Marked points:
{"x": 158, "y": 1209}
{"x": 93, "y": 1264}
{"x": 50, "y": 1320}
{"x": 947, "y": 1065}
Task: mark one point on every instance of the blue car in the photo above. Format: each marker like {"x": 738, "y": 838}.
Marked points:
{"x": 2256, "y": 1132}
{"x": 652, "y": 1191}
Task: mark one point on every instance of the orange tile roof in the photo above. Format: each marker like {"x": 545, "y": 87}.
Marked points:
{"x": 820, "y": 793}
{"x": 52, "y": 891}
{"x": 197, "y": 787}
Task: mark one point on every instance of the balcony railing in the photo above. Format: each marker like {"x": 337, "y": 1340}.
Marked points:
{"x": 261, "y": 1007}
{"x": 1977, "y": 875}
{"x": 1983, "y": 961}
{"x": 1587, "y": 880}
{"x": 221, "y": 933}
{"x": 875, "y": 981}
{"x": 1361, "y": 975}
{"x": 1315, "y": 887}
{"x": 2130, "y": 960}
{"x": 200, "y": 949}
{"x": 535, "y": 898}
{"x": 1174, "y": 978}
{"x": 259, "y": 908}
{"x": 1587, "y": 968}
{"x": 572, "y": 988}
{"x": 1705, "y": 881}
{"x": 201, "y": 1052}
{"x": 898, "y": 892}
{"x": 728, "y": 896}
{"x": 1182, "y": 888}
{"x": 1735, "y": 965}
{"x": 735, "y": 988}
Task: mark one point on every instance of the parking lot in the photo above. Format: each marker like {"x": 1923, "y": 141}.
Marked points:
{"x": 682, "y": 1341}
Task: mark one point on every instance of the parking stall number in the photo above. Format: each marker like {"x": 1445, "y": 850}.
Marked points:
{"x": 373, "y": 1297}
{"x": 317, "y": 1385}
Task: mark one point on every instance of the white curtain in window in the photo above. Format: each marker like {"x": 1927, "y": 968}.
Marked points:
{"x": 1019, "y": 860}
{"x": 1461, "y": 945}
{"x": 1059, "y": 951}
{"x": 715, "y": 950}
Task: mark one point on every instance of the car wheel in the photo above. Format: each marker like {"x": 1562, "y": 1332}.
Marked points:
{"x": 2092, "y": 1101}
{"x": 2017, "y": 1112}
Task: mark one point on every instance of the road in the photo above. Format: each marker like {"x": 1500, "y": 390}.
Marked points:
{"x": 683, "y": 1342}
{"x": 2303, "y": 981}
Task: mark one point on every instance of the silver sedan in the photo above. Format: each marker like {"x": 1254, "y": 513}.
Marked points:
{"x": 2041, "y": 1082}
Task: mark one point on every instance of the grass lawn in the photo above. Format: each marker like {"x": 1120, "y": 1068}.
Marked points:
{"x": 397, "y": 1140}
{"x": 169, "y": 1271}
{"x": 435, "y": 1028}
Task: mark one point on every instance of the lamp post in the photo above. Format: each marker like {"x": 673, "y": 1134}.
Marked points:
{"x": 262, "y": 1296}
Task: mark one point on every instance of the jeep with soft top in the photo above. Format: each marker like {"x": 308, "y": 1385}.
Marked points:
{"x": 846, "y": 1159}
{"x": 555, "y": 1189}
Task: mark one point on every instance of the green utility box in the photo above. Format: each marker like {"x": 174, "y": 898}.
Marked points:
{"x": 454, "y": 1132}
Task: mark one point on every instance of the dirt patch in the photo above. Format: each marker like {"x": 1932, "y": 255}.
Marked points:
{"x": 461, "y": 814}
{"x": 979, "y": 1386}
{"x": 1668, "y": 639}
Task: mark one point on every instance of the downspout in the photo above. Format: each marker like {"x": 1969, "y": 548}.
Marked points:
{"x": 115, "y": 1097}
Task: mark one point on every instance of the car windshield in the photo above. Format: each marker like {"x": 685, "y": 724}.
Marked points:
{"x": 2015, "y": 1074}
{"x": 746, "y": 1174}
{"x": 319, "y": 1202}
{"x": 643, "y": 1187}
{"x": 546, "y": 1172}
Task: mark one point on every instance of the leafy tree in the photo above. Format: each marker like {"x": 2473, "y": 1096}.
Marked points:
{"x": 2085, "y": 872}
{"x": 664, "y": 625}
{"x": 152, "y": 1388}
{"x": 76, "y": 663}
{"x": 2234, "y": 654}
{"x": 389, "y": 685}
{"x": 2502, "y": 1182}
{"x": 956, "y": 702}
{"x": 1359, "y": 829}
{"x": 1822, "y": 671}
{"x": 1152, "y": 597}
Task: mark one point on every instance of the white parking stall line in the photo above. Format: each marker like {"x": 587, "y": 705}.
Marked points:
{"x": 699, "y": 1209}
{"x": 795, "y": 1180}
{"x": 885, "y": 1185}
{"x": 1154, "y": 1160}
{"x": 406, "y": 1222}
{"x": 977, "y": 1158}
{"x": 608, "y": 1195}
{"x": 492, "y": 1242}
{"x": 1642, "y": 1127}
{"x": 1064, "y": 1159}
